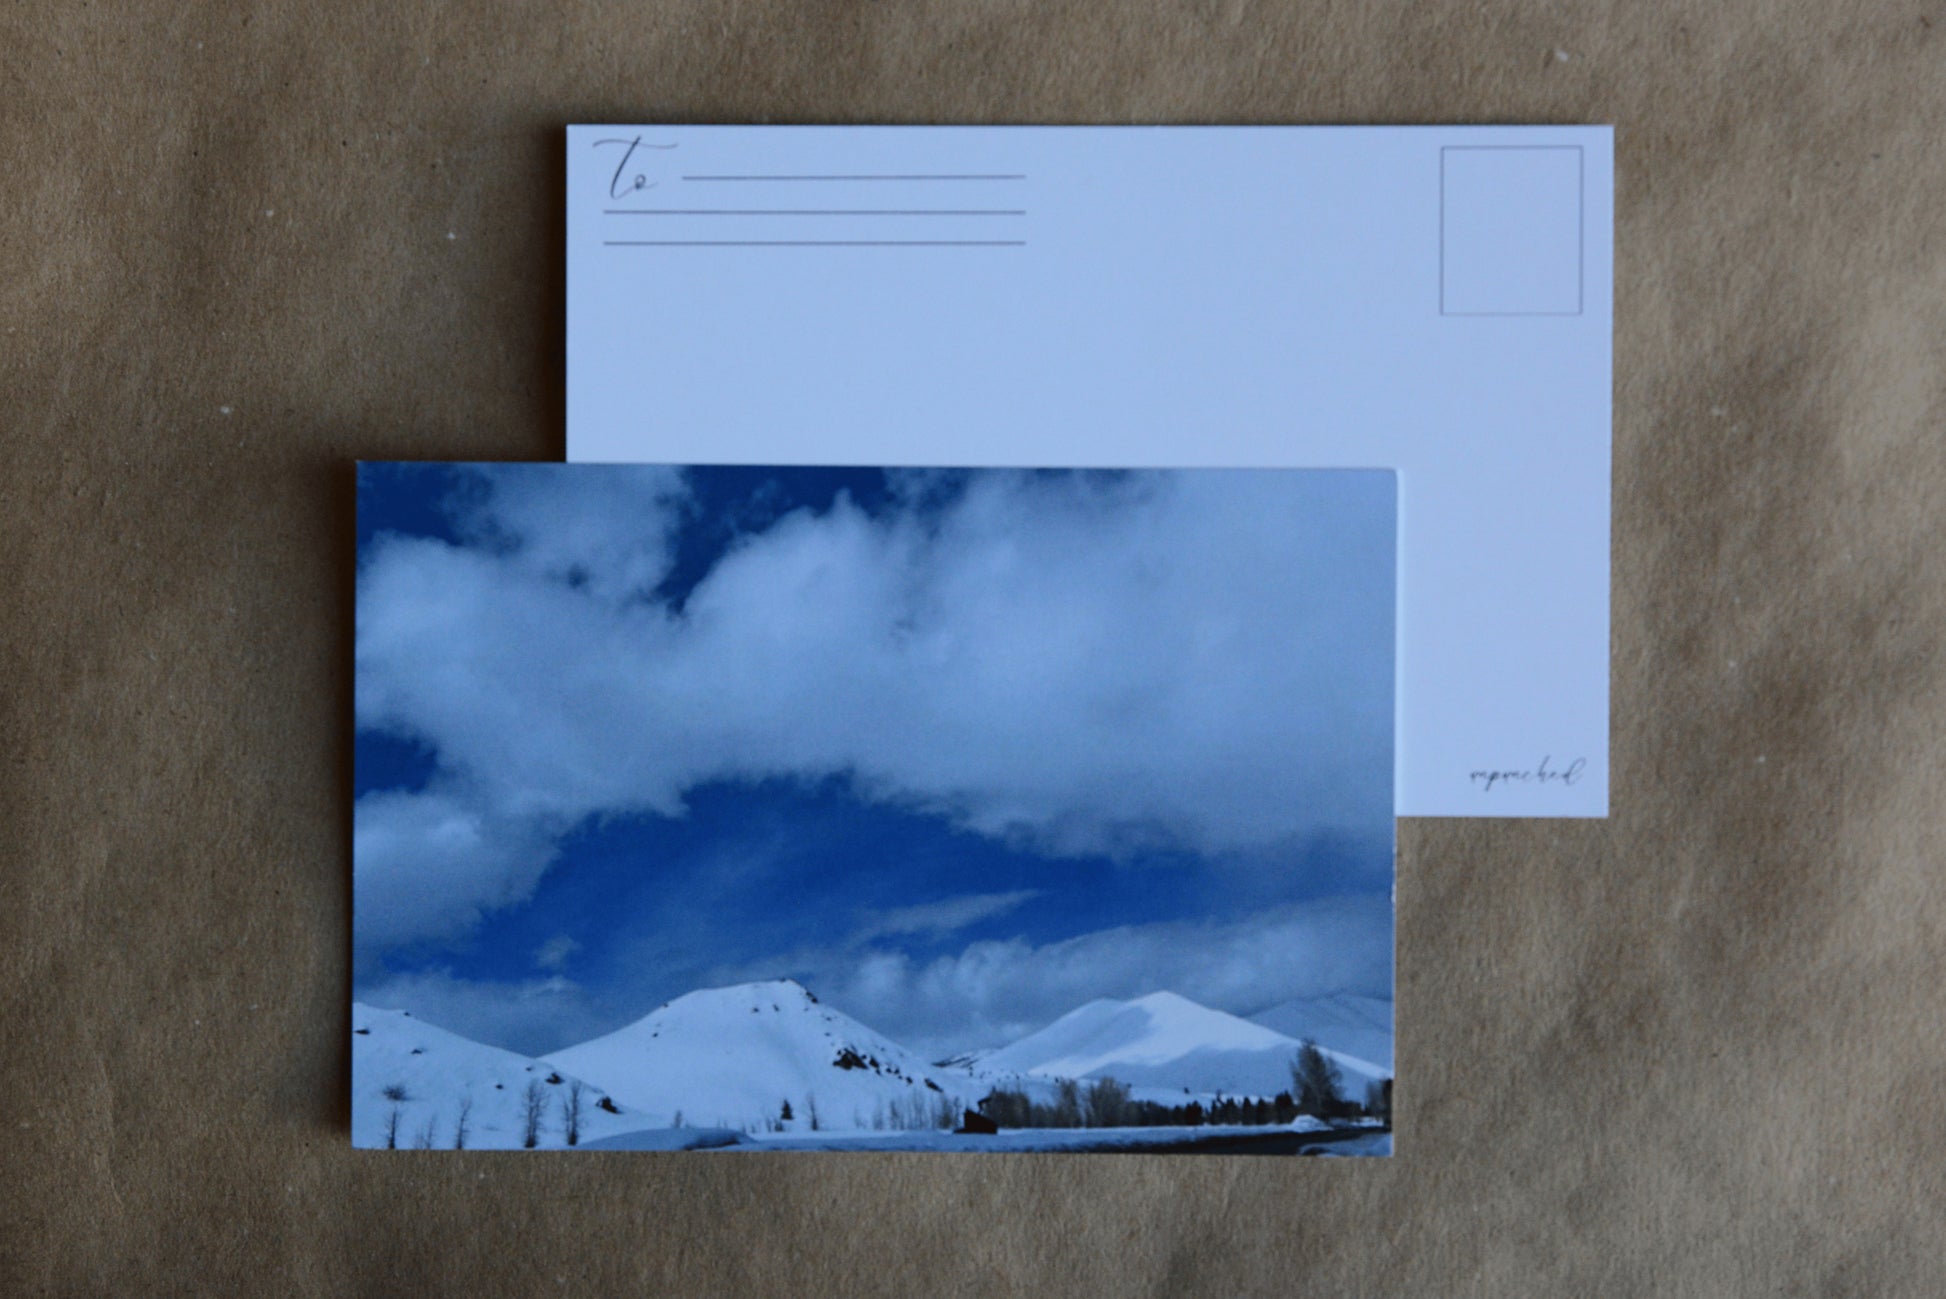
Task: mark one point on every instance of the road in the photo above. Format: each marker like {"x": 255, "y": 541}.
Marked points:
{"x": 1277, "y": 1141}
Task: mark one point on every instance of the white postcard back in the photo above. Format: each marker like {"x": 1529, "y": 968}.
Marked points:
{"x": 1435, "y": 300}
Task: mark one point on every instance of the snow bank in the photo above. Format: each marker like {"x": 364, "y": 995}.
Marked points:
{"x": 670, "y": 1139}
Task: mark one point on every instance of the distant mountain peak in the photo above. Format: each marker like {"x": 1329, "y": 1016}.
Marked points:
{"x": 1351, "y": 1024}
{"x": 761, "y": 993}
{"x": 738, "y": 1056}
{"x": 1171, "y": 1003}
{"x": 1160, "y": 1039}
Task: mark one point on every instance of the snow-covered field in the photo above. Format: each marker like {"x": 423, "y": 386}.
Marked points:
{"x": 1011, "y": 1141}
{"x": 766, "y": 1066}
{"x": 1376, "y": 1143}
{"x": 672, "y": 1139}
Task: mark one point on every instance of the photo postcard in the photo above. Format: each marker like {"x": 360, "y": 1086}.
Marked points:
{"x": 747, "y": 808}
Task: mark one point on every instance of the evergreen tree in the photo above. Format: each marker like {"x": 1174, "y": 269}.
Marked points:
{"x": 1317, "y": 1082}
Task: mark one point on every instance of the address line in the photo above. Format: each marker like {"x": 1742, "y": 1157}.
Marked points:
{"x": 1009, "y": 176}
{"x": 814, "y": 243}
{"x": 813, "y": 211}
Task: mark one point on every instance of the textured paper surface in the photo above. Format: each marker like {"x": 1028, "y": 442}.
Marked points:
{"x": 1693, "y": 1049}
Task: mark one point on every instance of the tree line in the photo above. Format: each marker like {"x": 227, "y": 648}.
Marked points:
{"x": 1317, "y": 1089}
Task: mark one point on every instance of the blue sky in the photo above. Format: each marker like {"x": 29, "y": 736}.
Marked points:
{"x": 960, "y": 751}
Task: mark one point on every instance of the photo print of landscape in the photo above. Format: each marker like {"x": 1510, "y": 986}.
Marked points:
{"x": 744, "y": 809}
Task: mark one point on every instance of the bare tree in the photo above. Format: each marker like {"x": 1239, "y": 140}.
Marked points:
{"x": 1008, "y": 1108}
{"x": 1106, "y": 1103}
{"x": 811, "y": 1109}
{"x": 392, "y": 1128}
{"x": 533, "y": 1107}
{"x": 459, "y": 1125}
{"x": 572, "y": 1111}
{"x": 1067, "y": 1103}
{"x": 428, "y": 1133}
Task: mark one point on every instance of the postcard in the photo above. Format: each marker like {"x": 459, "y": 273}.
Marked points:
{"x": 1435, "y": 300}
{"x": 784, "y": 808}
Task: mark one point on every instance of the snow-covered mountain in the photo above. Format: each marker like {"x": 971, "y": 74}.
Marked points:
{"x": 724, "y": 1062}
{"x": 1357, "y": 1026}
{"x": 405, "y": 1071}
{"x": 733, "y": 1057}
{"x": 1166, "y": 1041}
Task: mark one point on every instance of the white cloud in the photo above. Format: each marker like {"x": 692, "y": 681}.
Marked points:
{"x": 609, "y": 533}
{"x": 429, "y": 864}
{"x": 1083, "y": 663}
{"x": 532, "y": 1017}
{"x": 554, "y": 953}
{"x": 935, "y": 919}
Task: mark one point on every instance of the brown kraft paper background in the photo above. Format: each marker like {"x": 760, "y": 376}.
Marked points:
{"x": 1696, "y": 1048}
